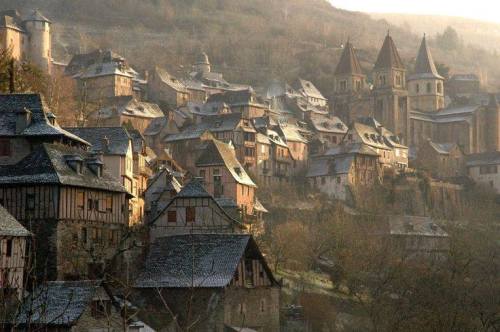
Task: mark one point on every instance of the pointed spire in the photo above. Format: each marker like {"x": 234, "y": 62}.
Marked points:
{"x": 349, "y": 63}
{"x": 388, "y": 56}
{"x": 425, "y": 64}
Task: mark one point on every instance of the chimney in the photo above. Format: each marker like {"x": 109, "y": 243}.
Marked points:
{"x": 105, "y": 144}
{"x": 23, "y": 120}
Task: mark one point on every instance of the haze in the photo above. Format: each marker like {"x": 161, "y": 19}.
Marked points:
{"x": 486, "y": 10}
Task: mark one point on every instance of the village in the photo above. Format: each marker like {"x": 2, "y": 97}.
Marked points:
{"x": 152, "y": 207}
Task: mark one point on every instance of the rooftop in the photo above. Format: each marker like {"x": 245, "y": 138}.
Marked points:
{"x": 9, "y": 226}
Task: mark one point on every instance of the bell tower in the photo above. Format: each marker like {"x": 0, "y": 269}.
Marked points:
{"x": 390, "y": 95}
{"x": 425, "y": 85}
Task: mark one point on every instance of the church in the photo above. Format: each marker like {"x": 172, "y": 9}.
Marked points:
{"x": 413, "y": 106}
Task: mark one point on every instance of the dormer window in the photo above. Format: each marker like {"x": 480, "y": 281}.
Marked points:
{"x": 75, "y": 163}
{"x": 238, "y": 171}
{"x": 95, "y": 166}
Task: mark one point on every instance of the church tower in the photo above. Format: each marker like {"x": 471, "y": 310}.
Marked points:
{"x": 390, "y": 95}
{"x": 425, "y": 86}
{"x": 349, "y": 82}
{"x": 39, "y": 42}
{"x": 202, "y": 64}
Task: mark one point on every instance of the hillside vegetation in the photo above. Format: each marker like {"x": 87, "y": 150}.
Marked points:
{"x": 250, "y": 41}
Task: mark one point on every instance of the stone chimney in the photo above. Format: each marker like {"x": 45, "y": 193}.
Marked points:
{"x": 23, "y": 120}
{"x": 105, "y": 144}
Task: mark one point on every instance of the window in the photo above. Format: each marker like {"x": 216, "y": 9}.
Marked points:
{"x": 30, "y": 202}
{"x": 358, "y": 85}
{"x": 190, "y": 214}
{"x": 202, "y": 173}
{"x": 262, "y": 305}
{"x": 323, "y": 180}
{"x": 8, "y": 251}
{"x": 488, "y": 169}
{"x": 90, "y": 204}
{"x": 439, "y": 88}
{"x": 338, "y": 180}
{"x": 109, "y": 204}
{"x": 429, "y": 88}
{"x": 249, "y": 272}
{"x": 84, "y": 235}
{"x": 343, "y": 85}
{"x": 249, "y": 152}
{"x": 417, "y": 88}
{"x": 172, "y": 217}
{"x": 249, "y": 137}
{"x": 5, "y": 150}
{"x": 80, "y": 200}
{"x": 334, "y": 139}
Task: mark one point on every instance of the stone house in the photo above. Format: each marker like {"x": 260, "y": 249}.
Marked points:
{"x": 158, "y": 130}
{"x": 224, "y": 176}
{"x": 162, "y": 187}
{"x": 463, "y": 84}
{"x": 28, "y": 38}
{"x": 85, "y": 305}
{"x": 25, "y": 123}
{"x": 443, "y": 160}
{"x": 142, "y": 172}
{"x": 245, "y": 102}
{"x": 328, "y": 131}
{"x": 227, "y": 275}
{"x": 13, "y": 250}
{"x": 298, "y": 146}
{"x": 69, "y": 202}
{"x": 226, "y": 127}
{"x": 484, "y": 168}
{"x": 126, "y": 110}
{"x": 192, "y": 210}
{"x": 417, "y": 237}
{"x": 312, "y": 95}
{"x": 343, "y": 171}
{"x": 282, "y": 160}
{"x": 167, "y": 90}
{"x": 393, "y": 155}
{"x": 263, "y": 169}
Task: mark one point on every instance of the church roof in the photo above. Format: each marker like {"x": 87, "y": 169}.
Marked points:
{"x": 425, "y": 67}
{"x": 36, "y": 15}
{"x": 349, "y": 63}
{"x": 389, "y": 56}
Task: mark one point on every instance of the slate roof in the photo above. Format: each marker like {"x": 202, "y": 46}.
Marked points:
{"x": 9, "y": 226}
{"x": 328, "y": 124}
{"x": 388, "y": 56}
{"x": 259, "y": 207}
{"x": 442, "y": 148}
{"x": 351, "y": 148}
{"x": 81, "y": 61}
{"x": 413, "y": 225}
{"x": 129, "y": 106}
{"x": 194, "y": 189}
{"x": 218, "y": 123}
{"x": 349, "y": 63}
{"x": 58, "y": 303}
{"x": 486, "y": 158}
{"x": 118, "y": 138}
{"x": 105, "y": 69}
{"x": 237, "y": 98}
{"x": 39, "y": 125}
{"x": 11, "y": 19}
{"x": 36, "y": 15}
{"x": 138, "y": 141}
{"x": 291, "y": 133}
{"x": 52, "y": 168}
{"x": 219, "y": 153}
{"x": 194, "y": 260}
{"x": 170, "y": 80}
{"x": 155, "y": 126}
{"x": 308, "y": 89}
{"x": 425, "y": 67}
{"x": 330, "y": 165}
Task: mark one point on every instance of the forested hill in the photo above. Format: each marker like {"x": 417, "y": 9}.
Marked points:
{"x": 250, "y": 41}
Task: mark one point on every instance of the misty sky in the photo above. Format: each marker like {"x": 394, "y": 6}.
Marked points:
{"x": 479, "y": 9}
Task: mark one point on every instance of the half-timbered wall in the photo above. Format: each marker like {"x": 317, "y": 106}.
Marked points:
{"x": 12, "y": 262}
{"x": 27, "y": 203}
{"x": 208, "y": 218}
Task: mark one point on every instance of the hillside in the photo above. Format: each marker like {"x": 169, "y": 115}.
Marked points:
{"x": 483, "y": 34}
{"x": 250, "y": 41}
